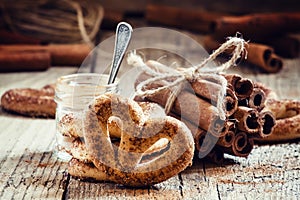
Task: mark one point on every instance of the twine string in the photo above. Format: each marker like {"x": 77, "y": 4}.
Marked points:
{"x": 81, "y": 25}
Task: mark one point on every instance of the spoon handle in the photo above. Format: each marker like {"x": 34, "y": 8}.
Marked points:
{"x": 123, "y": 36}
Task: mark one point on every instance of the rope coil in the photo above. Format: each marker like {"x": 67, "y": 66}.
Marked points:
{"x": 64, "y": 21}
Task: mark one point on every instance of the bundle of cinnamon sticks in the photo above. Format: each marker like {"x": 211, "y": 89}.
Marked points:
{"x": 196, "y": 106}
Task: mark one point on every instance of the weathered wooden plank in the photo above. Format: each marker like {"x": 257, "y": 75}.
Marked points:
{"x": 167, "y": 190}
{"x": 267, "y": 171}
{"x": 28, "y": 168}
{"x": 27, "y": 159}
{"x": 195, "y": 183}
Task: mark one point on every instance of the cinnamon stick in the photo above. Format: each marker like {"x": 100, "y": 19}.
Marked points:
{"x": 267, "y": 122}
{"x": 192, "y": 19}
{"x": 260, "y": 55}
{"x": 284, "y": 46}
{"x": 229, "y": 125}
{"x": 204, "y": 144}
{"x": 246, "y": 150}
{"x": 257, "y": 26}
{"x": 247, "y": 120}
{"x": 286, "y": 129}
{"x": 257, "y": 99}
{"x": 240, "y": 141}
{"x": 36, "y": 60}
{"x": 243, "y": 102}
{"x": 264, "y": 57}
{"x": 242, "y": 145}
{"x": 231, "y": 102}
{"x": 242, "y": 87}
{"x": 227, "y": 139}
{"x": 195, "y": 109}
{"x": 209, "y": 90}
{"x": 61, "y": 54}
{"x": 195, "y": 130}
{"x": 287, "y": 114}
{"x": 206, "y": 89}
{"x": 269, "y": 94}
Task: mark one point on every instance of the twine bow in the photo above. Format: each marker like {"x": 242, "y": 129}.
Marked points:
{"x": 192, "y": 73}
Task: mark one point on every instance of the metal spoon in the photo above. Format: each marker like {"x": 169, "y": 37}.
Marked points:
{"x": 123, "y": 36}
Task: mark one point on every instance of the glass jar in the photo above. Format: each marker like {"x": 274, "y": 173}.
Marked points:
{"x": 73, "y": 94}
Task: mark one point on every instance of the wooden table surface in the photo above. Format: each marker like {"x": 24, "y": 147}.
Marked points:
{"x": 30, "y": 170}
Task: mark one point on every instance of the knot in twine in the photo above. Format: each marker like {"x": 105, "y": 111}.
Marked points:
{"x": 192, "y": 73}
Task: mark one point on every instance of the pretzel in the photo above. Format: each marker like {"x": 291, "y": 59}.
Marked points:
{"x": 284, "y": 108}
{"x": 30, "y": 102}
{"x": 70, "y": 126}
{"x": 287, "y": 114}
{"x": 123, "y": 163}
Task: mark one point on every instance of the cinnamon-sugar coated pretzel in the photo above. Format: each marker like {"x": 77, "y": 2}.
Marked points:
{"x": 122, "y": 163}
{"x": 30, "y": 102}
